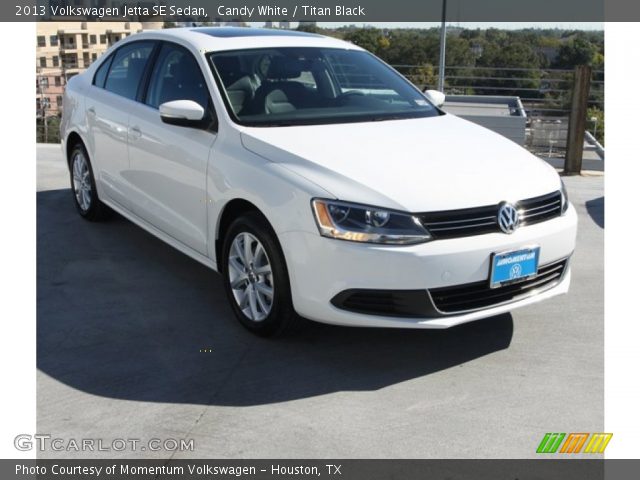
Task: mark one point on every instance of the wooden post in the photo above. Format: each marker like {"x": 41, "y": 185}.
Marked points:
{"x": 577, "y": 120}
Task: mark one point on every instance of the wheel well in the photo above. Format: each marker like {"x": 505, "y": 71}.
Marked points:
{"x": 231, "y": 211}
{"x": 72, "y": 140}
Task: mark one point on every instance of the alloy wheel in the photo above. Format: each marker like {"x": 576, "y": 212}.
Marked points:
{"x": 250, "y": 277}
{"x": 81, "y": 181}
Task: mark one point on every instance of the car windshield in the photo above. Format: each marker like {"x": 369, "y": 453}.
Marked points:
{"x": 310, "y": 86}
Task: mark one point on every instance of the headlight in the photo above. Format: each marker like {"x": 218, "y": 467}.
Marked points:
{"x": 564, "y": 199}
{"x": 361, "y": 223}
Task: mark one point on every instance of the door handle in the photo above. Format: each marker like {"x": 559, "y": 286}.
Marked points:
{"x": 91, "y": 111}
{"x": 135, "y": 132}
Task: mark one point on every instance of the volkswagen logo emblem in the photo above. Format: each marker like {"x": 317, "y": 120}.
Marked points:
{"x": 508, "y": 218}
{"x": 515, "y": 271}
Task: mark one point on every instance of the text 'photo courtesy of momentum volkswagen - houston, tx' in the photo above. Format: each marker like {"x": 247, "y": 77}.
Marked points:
{"x": 316, "y": 179}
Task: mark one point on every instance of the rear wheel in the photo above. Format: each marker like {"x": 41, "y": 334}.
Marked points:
{"x": 256, "y": 278}
{"x": 83, "y": 186}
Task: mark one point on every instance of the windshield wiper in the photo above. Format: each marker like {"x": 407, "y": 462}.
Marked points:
{"x": 391, "y": 117}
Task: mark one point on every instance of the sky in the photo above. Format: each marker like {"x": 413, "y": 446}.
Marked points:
{"x": 483, "y": 25}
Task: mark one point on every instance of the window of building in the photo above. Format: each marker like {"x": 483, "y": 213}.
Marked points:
{"x": 94, "y": 57}
{"x": 103, "y": 39}
{"x": 43, "y": 61}
{"x": 42, "y": 41}
{"x": 57, "y": 82}
{"x": 93, "y": 39}
{"x": 53, "y": 40}
{"x": 70, "y": 61}
{"x": 59, "y": 100}
{"x": 56, "y": 61}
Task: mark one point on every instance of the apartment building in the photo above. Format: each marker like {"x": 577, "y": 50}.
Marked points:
{"x": 64, "y": 49}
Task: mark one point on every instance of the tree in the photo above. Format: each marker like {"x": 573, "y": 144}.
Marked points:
{"x": 308, "y": 27}
{"x": 371, "y": 39}
{"x": 513, "y": 54}
{"x": 578, "y": 51}
{"x": 459, "y": 52}
{"x": 423, "y": 76}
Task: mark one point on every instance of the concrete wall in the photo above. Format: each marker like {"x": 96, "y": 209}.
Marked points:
{"x": 504, "y": 115}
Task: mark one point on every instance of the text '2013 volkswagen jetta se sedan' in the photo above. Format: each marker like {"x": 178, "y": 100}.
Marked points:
{"x": 316, "y": 179}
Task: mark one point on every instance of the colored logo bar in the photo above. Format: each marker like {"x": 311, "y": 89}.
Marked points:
{"x": 574, "y": 442}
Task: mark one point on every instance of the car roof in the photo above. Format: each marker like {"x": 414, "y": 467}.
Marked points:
{"x": 210, "y": 39}
{"x": 229, "y": 32}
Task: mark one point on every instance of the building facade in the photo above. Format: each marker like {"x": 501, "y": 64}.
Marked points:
{"x": 64, "y": 49}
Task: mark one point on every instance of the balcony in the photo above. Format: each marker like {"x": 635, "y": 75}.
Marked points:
{"x": 68, "y": 47}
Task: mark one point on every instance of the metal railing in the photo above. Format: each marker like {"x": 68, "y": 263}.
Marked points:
{"x": 545, "y": 95}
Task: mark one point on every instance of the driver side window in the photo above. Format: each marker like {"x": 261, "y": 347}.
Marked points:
{"x": 176, "y": 76}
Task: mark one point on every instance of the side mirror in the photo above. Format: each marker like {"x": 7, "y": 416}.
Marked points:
{"x": 436, "y": 97}
{"x": 184, "y": 113}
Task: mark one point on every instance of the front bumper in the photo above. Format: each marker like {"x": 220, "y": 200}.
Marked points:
{"x": 321, "y": 268}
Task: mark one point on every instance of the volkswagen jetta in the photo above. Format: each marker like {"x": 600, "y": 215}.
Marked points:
{"x": 316, "y": 179}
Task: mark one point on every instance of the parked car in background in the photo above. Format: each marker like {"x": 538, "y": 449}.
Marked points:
{"x": 316, "y": 179}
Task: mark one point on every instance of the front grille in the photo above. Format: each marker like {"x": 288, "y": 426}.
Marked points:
{"x": 478, "y": 295}
{"x": 480, "y": 220}
{"x": 539, "y": 209}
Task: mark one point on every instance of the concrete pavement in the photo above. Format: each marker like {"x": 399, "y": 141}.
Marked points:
{"x": 123, "y": 319}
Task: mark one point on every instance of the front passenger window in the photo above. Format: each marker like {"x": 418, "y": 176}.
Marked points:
{"x": 176, "y": 76}
{"x": 127, "y": 69}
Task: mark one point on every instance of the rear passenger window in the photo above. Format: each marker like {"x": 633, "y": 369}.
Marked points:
{"x": 101, "y": 74}
{"x": 127, "y": 69}
{"x": 176, "y": 76}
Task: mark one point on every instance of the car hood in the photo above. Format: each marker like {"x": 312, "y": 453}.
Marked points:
{"x": 417, "y": 165}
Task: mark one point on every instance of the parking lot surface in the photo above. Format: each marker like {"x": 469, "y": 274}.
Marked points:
{"x": 136, "y": 341}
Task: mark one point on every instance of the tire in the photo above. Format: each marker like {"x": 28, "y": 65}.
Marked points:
{"x": 248, "y": 271}
{"x": 83, "y": 186}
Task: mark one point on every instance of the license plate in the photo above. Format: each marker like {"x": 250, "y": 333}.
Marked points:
{"x": 513, "y": 266}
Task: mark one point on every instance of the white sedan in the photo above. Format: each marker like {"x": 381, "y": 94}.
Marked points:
{"x": 316, "y": 179}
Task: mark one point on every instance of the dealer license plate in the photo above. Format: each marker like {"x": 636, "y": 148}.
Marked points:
{"x": 513, "y": 266}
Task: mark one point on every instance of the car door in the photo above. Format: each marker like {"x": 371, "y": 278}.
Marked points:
{"x": 113, "y": 92}
{"x": 168, "y": 163}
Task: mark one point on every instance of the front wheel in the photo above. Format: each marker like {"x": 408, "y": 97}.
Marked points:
{"x": 256, "y": 278}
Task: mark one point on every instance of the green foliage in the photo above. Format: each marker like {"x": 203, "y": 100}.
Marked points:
{"x": 308, "y": 27}
{"x": 597, "y": 125}
{"x": 527, "y": 48}
{"x": 423, "y": 76}
{"x": 578, "y": 51}
{"x": 51, "y": 134}
{"x": 490, "y": 52}
{"x": 371, "y": 39}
